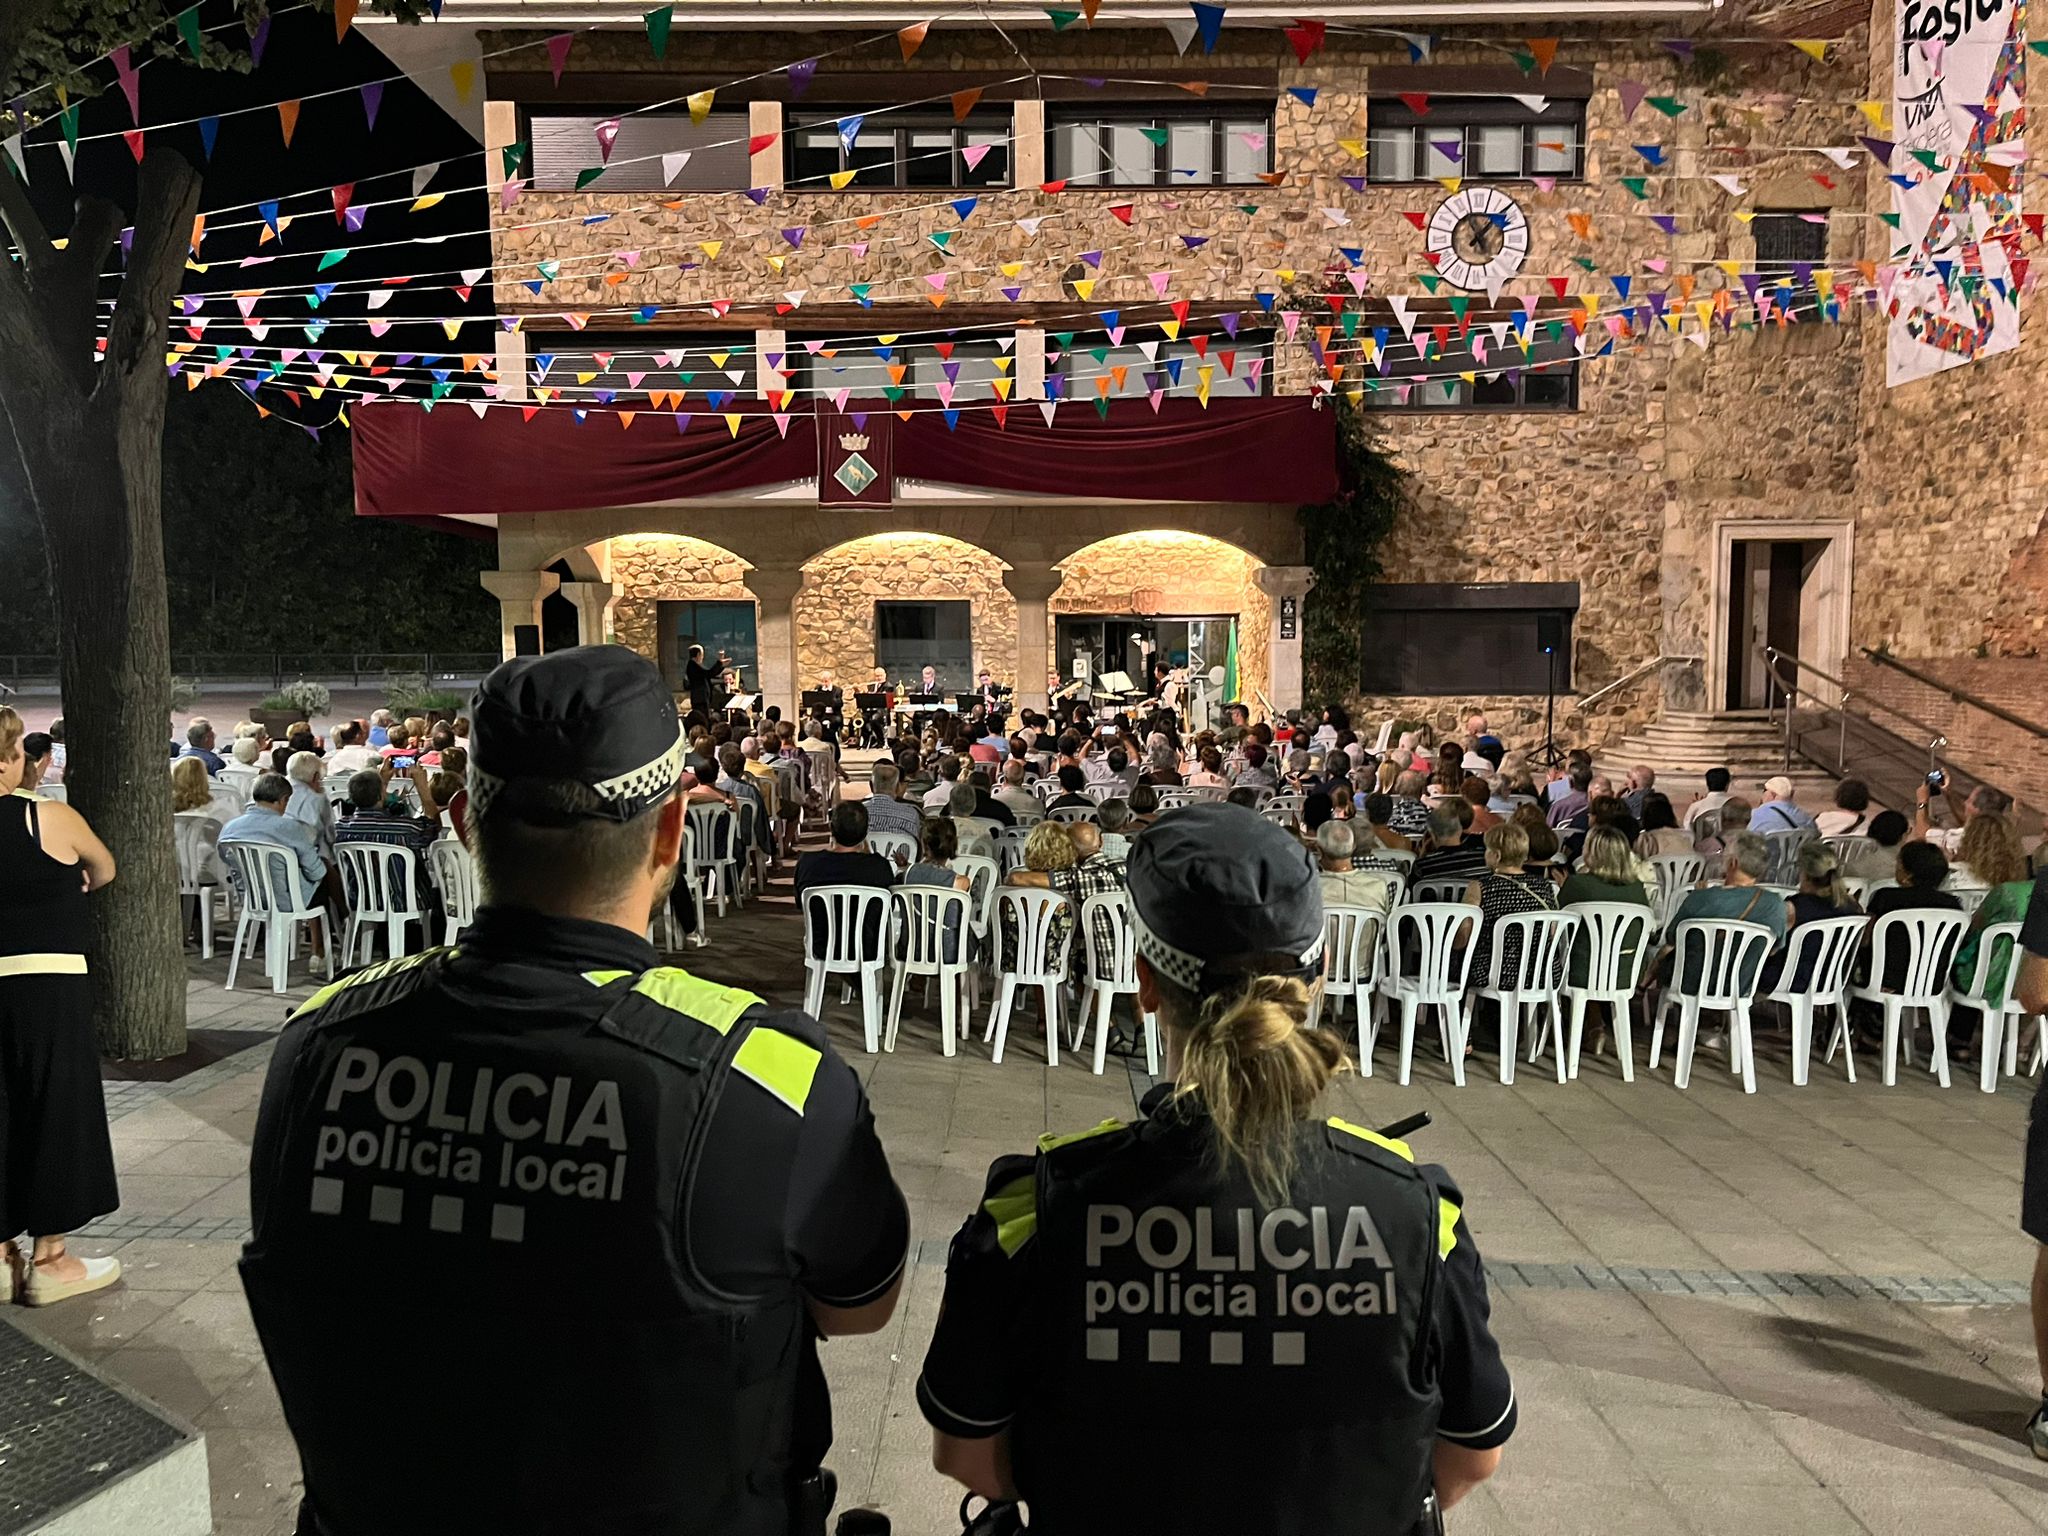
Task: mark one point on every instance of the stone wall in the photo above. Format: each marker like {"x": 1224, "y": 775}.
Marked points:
{"x": 835, "y": 609}
{"x": 2014, "y": 759}
{"x": 652, "y": 567}
{"x": 1192, "y": 574}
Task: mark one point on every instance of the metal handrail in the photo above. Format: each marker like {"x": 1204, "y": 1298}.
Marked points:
{"x": 1791, "y": 690}
{"x": 1628, "y": 677}
{"x": 1958, "y": 695}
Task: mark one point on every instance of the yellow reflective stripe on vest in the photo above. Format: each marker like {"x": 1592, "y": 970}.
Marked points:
{"x": 604, "y": 978}
{"x": 328, "y": 993}
{"x": 1446, "y": 1227}
{"x": 707, "y": 1002}
{"x": 1049, "y": 1143}
{"x": 1014, "y": 1209}
{"x": 1400, "y": 1149}
{"x": 42, "y": 965}
{"x": 783, "y": 1066}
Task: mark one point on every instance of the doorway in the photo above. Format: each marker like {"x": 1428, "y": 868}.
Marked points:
{"x": 717, "y": 626}
{"x": 1127, "y": 643}
{"x": 1780, "y": 587}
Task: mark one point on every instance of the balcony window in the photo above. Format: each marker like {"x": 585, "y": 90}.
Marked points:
{"x": 898, "y": 151}
{"x": 1160, "y": 147}
{"x": 1497, "y": 138}
{"x": 1237, "y": 368}
{"x": 564, "y": 146}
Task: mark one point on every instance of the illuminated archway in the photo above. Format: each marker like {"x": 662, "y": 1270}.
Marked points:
{"x": 1164, "y": 573}
{"x": 834, "y": 610}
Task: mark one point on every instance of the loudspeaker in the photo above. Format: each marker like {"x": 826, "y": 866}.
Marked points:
{"x": 1550, "y": 633}
{"x": 526, "y": 639}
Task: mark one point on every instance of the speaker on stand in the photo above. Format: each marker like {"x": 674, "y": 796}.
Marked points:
{"x": 1550, "y": 640}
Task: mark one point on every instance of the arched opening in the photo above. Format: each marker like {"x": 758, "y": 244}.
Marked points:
{"x": 1163, "y": 593}
{"x": 676, "y": 591}
{"x": 903, "y": 601}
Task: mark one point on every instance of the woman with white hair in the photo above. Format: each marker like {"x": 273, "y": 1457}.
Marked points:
{"x": 309, "y": 802}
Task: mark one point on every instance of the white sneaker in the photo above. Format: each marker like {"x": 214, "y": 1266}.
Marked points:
{"x": 42, "y": 1291}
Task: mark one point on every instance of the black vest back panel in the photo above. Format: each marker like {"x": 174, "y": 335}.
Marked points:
{"x": 1277, "y": 1358}
{"x": 467, "y": 1279}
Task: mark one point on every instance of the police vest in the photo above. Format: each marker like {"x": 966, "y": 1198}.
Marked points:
{"x": 469, "y": 1272}
{"x": 1278, "y": 1361}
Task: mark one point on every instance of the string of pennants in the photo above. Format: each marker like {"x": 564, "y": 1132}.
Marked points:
{"x": 1765, "y": 297}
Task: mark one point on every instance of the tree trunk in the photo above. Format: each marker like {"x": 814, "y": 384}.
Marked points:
{"x": 105, "y": 537}
{"x": 88, "y": 451}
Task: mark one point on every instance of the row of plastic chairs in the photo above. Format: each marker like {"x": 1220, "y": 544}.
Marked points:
{"x": 1421, "y": 957}
{"x": 937, "y": 932}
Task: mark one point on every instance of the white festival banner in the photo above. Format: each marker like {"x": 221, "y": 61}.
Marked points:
{"x": 1958, "y": 100}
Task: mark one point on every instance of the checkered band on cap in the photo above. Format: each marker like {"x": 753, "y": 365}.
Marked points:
{"x": 625, "y": 795}
{"x": 1193, "y": 973}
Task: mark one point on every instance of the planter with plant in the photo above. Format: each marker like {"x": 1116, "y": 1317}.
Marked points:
{"x": 411, "y": 693}
{"x": 292, "y": 703}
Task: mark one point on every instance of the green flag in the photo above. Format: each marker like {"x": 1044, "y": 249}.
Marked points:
{"x": 658, "y": 22}
{"x": 1230, "y": 667}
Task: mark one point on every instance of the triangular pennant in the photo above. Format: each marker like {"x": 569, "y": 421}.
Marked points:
{"x": 558, "y": 53}
{"x": 288, "y": 119}
{"x": 658, "y": 23}
{"x": 1209, "y": 22}
{"x": 911, "y": 38}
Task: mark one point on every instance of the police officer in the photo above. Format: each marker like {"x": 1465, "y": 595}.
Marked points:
{"x": 1286, "y": 1304}
{"x": 545, "y": 1232}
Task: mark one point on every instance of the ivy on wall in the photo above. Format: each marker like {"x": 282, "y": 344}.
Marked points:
{"x": 1342, "y": 539}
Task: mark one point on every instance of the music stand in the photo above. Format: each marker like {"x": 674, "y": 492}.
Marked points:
{"x": 824, "y": 704}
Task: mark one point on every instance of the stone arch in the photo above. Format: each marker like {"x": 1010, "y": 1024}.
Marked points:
{"x": 834, "y": 609}
{"x": 1171, "y": 572}
{"x": 652, "y": 568}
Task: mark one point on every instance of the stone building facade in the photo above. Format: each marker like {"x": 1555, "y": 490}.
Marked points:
{"x": 1672, "y": 457}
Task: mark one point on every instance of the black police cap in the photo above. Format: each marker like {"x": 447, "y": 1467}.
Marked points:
{"x": 599, "y": 716}
{"x": 1218, "y": 892}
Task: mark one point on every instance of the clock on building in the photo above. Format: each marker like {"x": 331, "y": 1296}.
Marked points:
{"x": 1479, "y": 237}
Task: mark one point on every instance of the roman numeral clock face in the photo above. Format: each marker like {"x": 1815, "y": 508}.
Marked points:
{"x": 1479, "y": 237}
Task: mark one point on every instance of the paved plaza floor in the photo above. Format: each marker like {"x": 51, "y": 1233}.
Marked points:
{"x": 1802, "y": 1311}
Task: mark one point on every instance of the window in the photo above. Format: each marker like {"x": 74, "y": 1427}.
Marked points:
{"x": 1497, "y": 138}
{"x": 1237, "y": 368}
{"x": 1160, "y": 147}
{"x": 663, "y": 361}
{"x": 727, "y": 627}
{"x": 1788, "y": 235}
{"x": 912, "y": 636}
{"x": 920, "y": 369}
{"x": 1480, "y": 638}
{"x": 900, "y": 150}
{"x": 564, "y": 146}
{"x": 1545, "y": 379}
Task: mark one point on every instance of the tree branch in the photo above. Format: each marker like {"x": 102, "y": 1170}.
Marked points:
{"x": 168, "y": 197}
{"x": 25, "y": 228}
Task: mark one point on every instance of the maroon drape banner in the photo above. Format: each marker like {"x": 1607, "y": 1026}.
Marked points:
{"x": 451, "y": 461}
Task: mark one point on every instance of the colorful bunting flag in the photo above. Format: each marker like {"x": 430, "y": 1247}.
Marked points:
{"x": 288, "y": 119}
{"x": 658, "y": 23}
{"x": 558, "y": 48}
{"x": 911, "y": 38}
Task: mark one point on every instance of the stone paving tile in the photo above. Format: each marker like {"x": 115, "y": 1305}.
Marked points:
{"x": 1726, "y": 1316}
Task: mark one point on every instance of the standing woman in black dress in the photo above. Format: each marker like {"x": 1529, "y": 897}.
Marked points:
{"x": 56, "y": 1158}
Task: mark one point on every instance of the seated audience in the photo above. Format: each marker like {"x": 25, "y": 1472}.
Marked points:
{"x": 199, "y": 744}
{"x": 1778, "y": 812}
{"x": 1255, "y": 774}
{"x": 1345, "y": 884}
{"x": 1475, "y": 792}
{"x": 1210, "y": 774}
{"x": 1995, "y": 861}
{"x": 940, "y": 846}
{"x": 1718, "y": 780}
{"x": 1012, "y": 795}
{"x": 1821, "y": 895}
{"x": 848, "y": 861}
{"x": 1093, "y": 871}
{"x": 1410, "y": 816}
{"x": 1922, "y": 871}
{"x": 1072, "y": 782}
{"x": 1114, "y": 819}
{"x": 1661, "y": 835}
{"x": 1851, "y": 813}
{"x": 192, "y": 796}
{"x": 309, "y": 802}
{"x": 377, "y": 816}
{"x": 885, "y": 812}
{"x": 1573, "y": 802}
{"x": 1738, "y": 898}
{"x": 972, "y": 833}
{"x": 1502, "y": 889}
{"x": 936, "y": 797}
{"x": 1049, "y": 850}
{"x": 265, "y": 821}
{"x": 1606, "y": 872}
{"x": 1449, "y": 852}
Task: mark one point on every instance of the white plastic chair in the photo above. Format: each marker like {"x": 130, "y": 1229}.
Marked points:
{"x": 1171, "y": 799}
{"x": 1995, "y": 1005}
{"x": 987, "y": 875}
{"x": 1047, "y": 788}
{"x": 1607, "y": 931}
{"x": 1072, "y": 813}
{"x": 1971, "y": 896}
{"x": 977, "y": 833}
{"x": 1784, "y": 846}
{"x": 1825, "y": 948}
{"x": 1041, "y": 962}
{"x": 1930, "y": 935}
{"x": 1113, "y": 790}
{"x": 1284, "y": 807}
{"x": 238, "y": 778}
{"x": 1861, "y": 888}
{"x": 225, "y": 803}
{"x": 1351, "y": 952}
{"x": 1440, "y": 890}
{"x": 716, "y": 832}
{"x": 1444, "y": 935}
{"x": 454, "y": 875}
{"x": 269, "y": 877}
{"x": 1009, "y": 847}
{"x": 1400, "y": 860}
{"x": 1111, "y": 971}
{"x": 925, "y": 948}
{"x": 1020, "y": 817}
{"x": 836, "y": 918}
{"x": 1850, "y": 847}
{"x": 1196, "y": 793}
{"x": 1725, "y": 948}
{"x": 199, "y": 873}
{"x": 1677, "y": 875}
{"x": 899, "y": 848}
{"x": 1542, "y": 956}
{"x": 379, "y": 879}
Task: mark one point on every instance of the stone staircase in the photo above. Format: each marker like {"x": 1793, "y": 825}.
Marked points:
{"x": 1683, "y": 744}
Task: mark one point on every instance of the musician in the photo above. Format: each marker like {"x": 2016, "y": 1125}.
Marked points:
{"x": 875, "y": 723}
{"x": 928, "y": 681}
{"x": 828, "y": 682}
{"x": 1161, "y": 675}
{"x": 697, "y": 681}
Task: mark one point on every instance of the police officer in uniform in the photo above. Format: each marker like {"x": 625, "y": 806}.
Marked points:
{"x": 545, "y": 1232}
{"x": 1287, "y": 1306}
